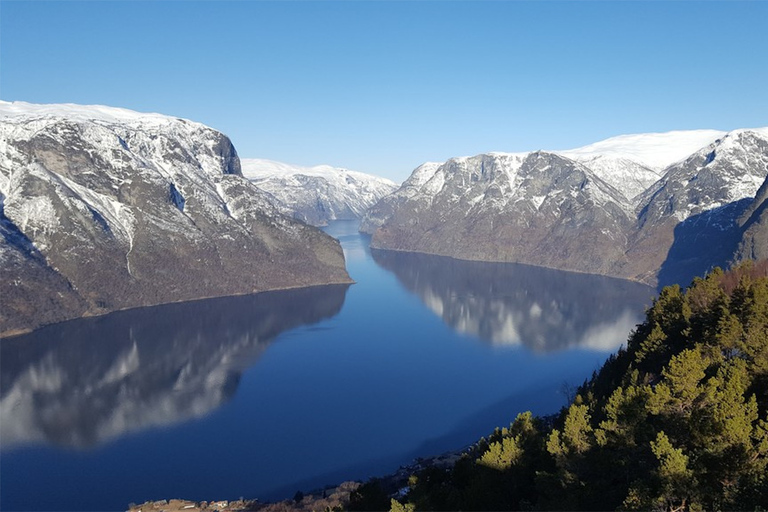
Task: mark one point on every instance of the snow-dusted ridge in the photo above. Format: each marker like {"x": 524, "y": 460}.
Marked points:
{"x": 651, "y": 207}
{"x": 656, "y": 151}
{"x": 316, "y": 194}
{"x": 85, "y": 113}
{"x": 104, "y": 208}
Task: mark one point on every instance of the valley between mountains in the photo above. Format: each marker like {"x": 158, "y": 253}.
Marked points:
{"x": 106, "y": 209}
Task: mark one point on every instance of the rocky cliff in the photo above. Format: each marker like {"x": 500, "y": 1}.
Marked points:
{"x": 104, "y": 209}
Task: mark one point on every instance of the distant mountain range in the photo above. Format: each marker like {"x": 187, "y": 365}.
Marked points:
{"x": 657, "y": 208}
{"x": 104, "y": 209}
{"x": 316, "y": 195}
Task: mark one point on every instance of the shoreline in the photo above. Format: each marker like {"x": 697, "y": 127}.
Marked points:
{"x": 333, "y": 497}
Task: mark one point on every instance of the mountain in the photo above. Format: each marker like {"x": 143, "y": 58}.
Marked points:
{"x": 318, "y": 194}
{"x": 649, "y": 207}
{"x": 632, "y": 163}
{"x": 380, "y": 212}
{"x": 105, "y": 209}
{"x": 524, "y": 208}
{"x": 688, "y": 222}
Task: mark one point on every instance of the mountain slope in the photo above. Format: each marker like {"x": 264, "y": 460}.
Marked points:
{"x": 105, "y": 209}
{"x": 754, "y": 227}
{"x": 688, "y": 221}
{"x": 318, "y": 194}
{"x": 537, "y": 208}
{"x": 632, "y": 163}
{"x": 609, "y": 208}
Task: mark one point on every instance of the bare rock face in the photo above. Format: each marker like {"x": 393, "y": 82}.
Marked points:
{"x": 595, "y": 210}
{"x": 106, "y": 209}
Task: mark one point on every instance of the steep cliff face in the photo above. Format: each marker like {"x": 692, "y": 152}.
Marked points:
{"x": 106, "y": 209}
{"x": 645, "y": 207}
{"x": 317, "y": 195}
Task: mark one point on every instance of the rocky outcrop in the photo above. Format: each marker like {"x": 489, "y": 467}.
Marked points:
{"x": 580, "y": 210}
{"x": 106, "y": 209}
{"x": 317, "y": 195}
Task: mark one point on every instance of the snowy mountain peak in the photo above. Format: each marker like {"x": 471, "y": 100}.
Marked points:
{"x": 656, "y": 151}
{"x": 104, "y": 209}
{"x": 316, "y": 194}
{"x": 18, "y": 110}
{"x": 656, "y": 207}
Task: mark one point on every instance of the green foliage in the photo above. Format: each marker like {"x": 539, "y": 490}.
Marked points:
{"x": 396, "y": 506}
{"x": 678, "y": 421}
{"x": 501, "y": 454}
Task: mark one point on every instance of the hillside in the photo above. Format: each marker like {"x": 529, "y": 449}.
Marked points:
{"x": 656, "y": 208}
{"x": 104, "y": 209}
{"x": 676, "y": 421}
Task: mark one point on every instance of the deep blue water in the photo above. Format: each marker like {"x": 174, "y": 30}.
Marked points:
{"x": 264, "y": 395}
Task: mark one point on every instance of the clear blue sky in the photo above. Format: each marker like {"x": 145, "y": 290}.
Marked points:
{"x": 381, "y": 87}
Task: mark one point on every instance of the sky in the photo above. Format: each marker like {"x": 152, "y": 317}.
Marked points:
{"x": 383, "y": 86}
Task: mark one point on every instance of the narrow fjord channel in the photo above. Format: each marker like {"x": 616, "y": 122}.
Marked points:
{"x": 263, "y": 395}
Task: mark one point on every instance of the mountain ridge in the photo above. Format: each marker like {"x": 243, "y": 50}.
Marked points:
{"x": 318, "y": 194}
{"x": 571, "y": 216}
{"x": 104, "y": 209}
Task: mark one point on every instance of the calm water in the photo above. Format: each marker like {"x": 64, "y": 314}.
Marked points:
{"x": 263, "y": 395}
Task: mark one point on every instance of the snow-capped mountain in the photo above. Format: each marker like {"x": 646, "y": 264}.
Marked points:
{"x": 632, "y": 163}
{"x": 689, "y": 220}
{"x": 105, "y": 208}
{"x": 378, "y": 213}
{"x": 617, "y": 207}
{"x": 318, "y": 194}
{"x": 524, "y": 207}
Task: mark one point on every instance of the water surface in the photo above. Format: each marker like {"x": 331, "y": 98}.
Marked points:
{"x": 262, "y": 395}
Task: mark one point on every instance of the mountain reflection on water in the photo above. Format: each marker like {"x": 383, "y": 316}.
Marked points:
{"x": 543, "y": 309}
{"x": 87, "y": 381}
